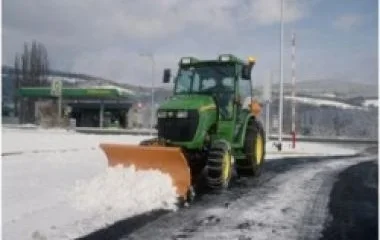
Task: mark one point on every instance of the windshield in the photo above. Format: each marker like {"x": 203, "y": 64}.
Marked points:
{"x": 205, "y": 78}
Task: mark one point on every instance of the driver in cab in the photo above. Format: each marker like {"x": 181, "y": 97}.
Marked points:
{"x": 224, "y": 96}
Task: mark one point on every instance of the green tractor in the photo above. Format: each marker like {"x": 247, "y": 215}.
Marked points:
{"x": 204, "y": 130}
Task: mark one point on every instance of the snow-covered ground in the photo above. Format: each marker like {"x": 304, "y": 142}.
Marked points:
{"x": 371, "y": 102}
{"x": 56, "y": 184}
{"x": 322, "y": 102}
{"x": 28, "y": 140}
{"x": 307, "y": 149}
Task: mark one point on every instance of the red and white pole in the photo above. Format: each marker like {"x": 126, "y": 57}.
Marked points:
{"x": 293, "y": 90}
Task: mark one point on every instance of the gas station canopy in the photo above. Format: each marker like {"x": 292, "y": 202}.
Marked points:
{"x": 99, "y": 92}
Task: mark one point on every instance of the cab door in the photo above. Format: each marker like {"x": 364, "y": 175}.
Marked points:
{"x": 244, "y": 96}
{"x": 227, "y": 118}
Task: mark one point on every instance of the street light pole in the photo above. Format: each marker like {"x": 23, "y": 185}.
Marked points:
{"x": 281, "y": 77}
{"x": 151, "y": 57}
{"x": 268, "y": 99}
{"x": 153, "y": 93}
{"x": 293, "y": 90}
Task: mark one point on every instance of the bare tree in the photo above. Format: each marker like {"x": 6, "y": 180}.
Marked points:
{"x": 16, "y": 84}
{"x": 32, "y": 73}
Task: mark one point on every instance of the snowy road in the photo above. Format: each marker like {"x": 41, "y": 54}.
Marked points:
{"x": 289, "y": 201}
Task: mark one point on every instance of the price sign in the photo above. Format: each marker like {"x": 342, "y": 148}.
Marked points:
{"x": 56, "y": 88}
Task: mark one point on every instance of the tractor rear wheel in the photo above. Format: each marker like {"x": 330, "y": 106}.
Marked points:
{"x": 254, "y": 149}
{"x": 219, "y": 165}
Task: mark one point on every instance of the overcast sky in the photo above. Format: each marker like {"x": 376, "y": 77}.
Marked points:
{"x": 335, "y": 39}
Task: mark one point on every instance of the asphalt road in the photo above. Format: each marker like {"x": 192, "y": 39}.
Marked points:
{"x": 354, "y": 204}
{"x": 295, "y": 198}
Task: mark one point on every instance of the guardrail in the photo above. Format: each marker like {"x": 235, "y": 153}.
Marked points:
{"x": 326, "y": 139}
{"x": 147, "y": 132}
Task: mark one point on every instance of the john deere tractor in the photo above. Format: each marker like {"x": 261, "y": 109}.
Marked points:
{"x": 205, "y": 131}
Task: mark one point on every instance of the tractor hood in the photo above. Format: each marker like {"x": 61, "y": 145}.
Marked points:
{"x": 186, "y": 119}
{"x": 187, "y": 102}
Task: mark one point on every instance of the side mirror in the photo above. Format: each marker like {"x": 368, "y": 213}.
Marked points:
{"x": 167, "y": 75}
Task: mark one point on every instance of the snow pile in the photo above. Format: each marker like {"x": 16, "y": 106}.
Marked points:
{"x": 60, "y": 194}
{"x": 121, "y": 192}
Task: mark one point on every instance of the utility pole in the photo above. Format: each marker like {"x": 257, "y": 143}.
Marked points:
{"x": 60, "y": 108}
{"x": 268, "y": 99}
{"x": 293, "y": 90}
{"x": 281, "y": 79}
{"x": 56, "y": 91}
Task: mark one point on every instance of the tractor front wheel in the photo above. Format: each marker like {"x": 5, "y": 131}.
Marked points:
{"x": 254, "y": 148}
{"x": 219, "y": 165}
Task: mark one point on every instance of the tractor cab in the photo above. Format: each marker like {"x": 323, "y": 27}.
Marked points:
{"x": 226, "y": 79}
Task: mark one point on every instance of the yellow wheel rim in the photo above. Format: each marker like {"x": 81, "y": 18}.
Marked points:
{"x": 259, "y": 149}
{"x": 226, "y": 166}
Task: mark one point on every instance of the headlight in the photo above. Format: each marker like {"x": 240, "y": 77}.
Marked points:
{"x": 182, "y": 114}
{"x": 170, "y": 114}
{"x": 162, "y": 114}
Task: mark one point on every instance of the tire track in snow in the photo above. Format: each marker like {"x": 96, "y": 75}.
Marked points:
{"x": 274, "y": 211}
{"x": 312, "y": 222}
{"x": 209, "y": 210}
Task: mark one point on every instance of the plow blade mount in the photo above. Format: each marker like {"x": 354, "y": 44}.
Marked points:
{"x": 168, "y": 160}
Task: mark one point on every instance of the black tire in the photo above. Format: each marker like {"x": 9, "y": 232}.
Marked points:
{"x": 263, "y": 134}
{"x": 219, "y": 165}
{"x": 251, "y": 166}
{"x": 190, "y": 196}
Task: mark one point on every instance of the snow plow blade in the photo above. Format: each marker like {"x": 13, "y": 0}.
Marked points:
{"x": 168, "y": 160}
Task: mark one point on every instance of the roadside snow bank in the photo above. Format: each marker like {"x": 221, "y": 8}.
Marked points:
{"x": 24, "y": 140}
{"x": 120, "y": 193}
{"x": 309, "y": 149}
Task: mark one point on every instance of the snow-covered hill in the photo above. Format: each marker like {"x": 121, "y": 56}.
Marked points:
{"x": 323, "y": 102}
{"x": 332, "y": 87}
